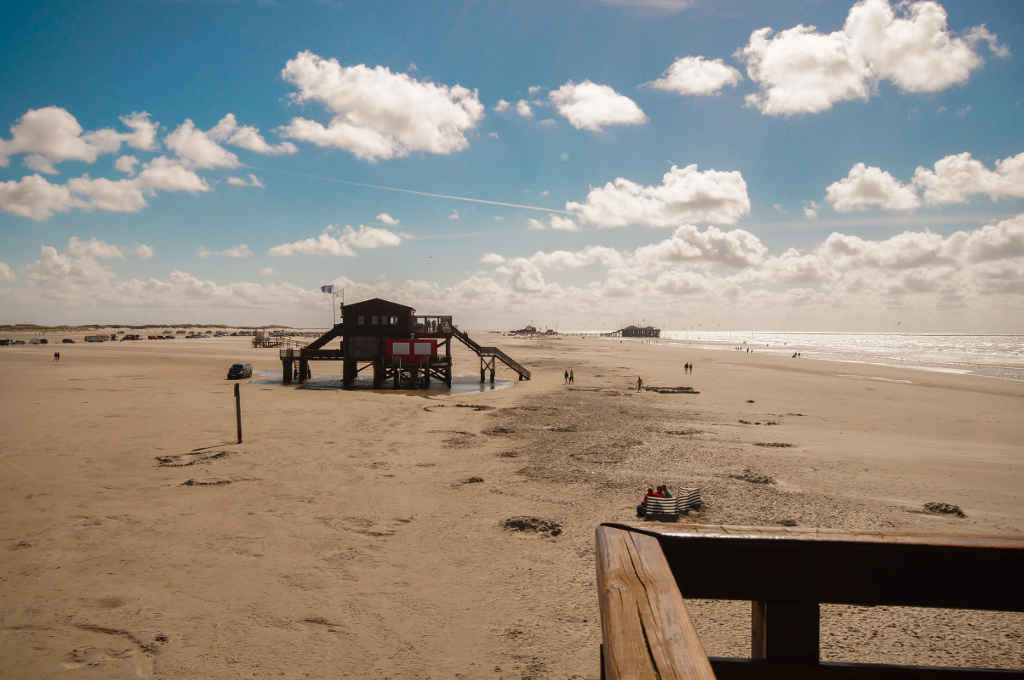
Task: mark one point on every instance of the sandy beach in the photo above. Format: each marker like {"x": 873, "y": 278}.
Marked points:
{"x": 359, "y": 534}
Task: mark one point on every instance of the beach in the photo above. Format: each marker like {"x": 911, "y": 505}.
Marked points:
{"x": 363, "y": 533}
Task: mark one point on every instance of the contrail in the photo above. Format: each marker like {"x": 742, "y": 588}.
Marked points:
{"x": 381, "y": 187}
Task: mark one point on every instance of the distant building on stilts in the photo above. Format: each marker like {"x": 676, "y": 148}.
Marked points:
{"x": 402, "y": 349}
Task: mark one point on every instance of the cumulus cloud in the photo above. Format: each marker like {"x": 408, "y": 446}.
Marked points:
{"x": 198, "y": 149}
{"x": 252, "y": 181}
{"x": 867, "y": 187}
{"x": 589, "y": 106}
{"x": 377, "y": 114}
{"x": 126, "y": 164}
{"x": 248, "y": 137}
{"x": 801, "y": 70}
{"x": 492, "y": 258}
{"x": 144, "y": 252}
{"x": 523, "y": 109}
{"x": 684, "y": 195}
{"x": 94, "y": 248}
{"x": 241, "y": 251}
{"x": 52, "y": 135}
{"x": 387, "y": 219}
{"x": 6, "y": 273}
{"x": 697, "y": 76}
{"x": 502, "y": 105}
{"x": 734, "y": 248}
{"x": 955, "y": 178}
{"x": 36, "y": 198}
{"x": 339, "y": 242}
{"x": 555, "y": 223}
{"x": 810, "y": 209}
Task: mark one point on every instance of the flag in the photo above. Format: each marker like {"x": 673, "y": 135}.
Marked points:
{"x": 327, "y": 289}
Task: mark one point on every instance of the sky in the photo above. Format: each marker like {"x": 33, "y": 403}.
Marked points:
{"x": 693, "y": 164}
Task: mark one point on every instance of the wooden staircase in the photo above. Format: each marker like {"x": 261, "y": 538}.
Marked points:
{"x": 491, "y": 353}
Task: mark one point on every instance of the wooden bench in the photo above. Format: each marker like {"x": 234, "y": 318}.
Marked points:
{"x": 643, "y": 576}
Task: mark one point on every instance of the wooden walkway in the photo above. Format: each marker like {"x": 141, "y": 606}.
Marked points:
{"x": 491, "y": 353}
{"x": 643, "y": 576}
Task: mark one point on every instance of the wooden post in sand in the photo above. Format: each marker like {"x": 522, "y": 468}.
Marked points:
{"x": 238, "y": 413}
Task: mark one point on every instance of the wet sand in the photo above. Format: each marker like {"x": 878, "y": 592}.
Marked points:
{"x": 362, "y": 534}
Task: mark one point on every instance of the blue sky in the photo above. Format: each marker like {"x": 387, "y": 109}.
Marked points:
{"x": 776, "y": 128}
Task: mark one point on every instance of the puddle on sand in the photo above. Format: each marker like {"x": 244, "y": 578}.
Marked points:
{"x": 460, "y": 384}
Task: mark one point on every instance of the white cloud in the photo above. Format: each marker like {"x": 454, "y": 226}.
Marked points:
{"x": 167, "y": 174}
{"x": 534, "y": 224}
{"x": 735, "y": 248}
{"x": 379, "y": 114}
{"x": 955, "y": 178}
{"x": 387, "y": 219}
{"x": 810, "y": 209}
{"x": 126, "y": 164}
{"x": 340, "y": 242}
{"x": 870, "y": 187}
{"x": 589, "y": 106}
{"x": 533, "y": 89}
{"x": 252, "y": 181}
{"x": 800, "y": 70}
{"x": 94, "y": 248}
{"x": 492, "y": 258}
{"x": 545, "y": 192}
{"x": 144, "y": 252}
{"x": 559, "y": 223}
{"x": 241, "y": 251}
{"x": 52, "y": 135}
{"x": 34, "y": 197}
{"x": 546, "y": 122}
{"x": 198, "y": 149}
{"x": 267, "y": 271}
{"x": 453, "y": 215}
{"x": 493, "y": 135}
{"x": 684, "y": 195}
{"x": 122, "y": 195}
{"x": 697, "y": 76}
{"x": 6, "y": 273}
{"x": 523, "y": 109}
{"x": 248, "y": 137}
{"x": 502, "y": 105}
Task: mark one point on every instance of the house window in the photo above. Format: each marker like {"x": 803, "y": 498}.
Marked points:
{"x": 360, "y": 320}
{"x": 374, "y": 320}
{"x": 393, "y": 321}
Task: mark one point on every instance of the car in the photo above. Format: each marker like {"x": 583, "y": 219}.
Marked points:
{"x": 18, "y": 342}
{"x": 238, "y": 371}
{"x": 39, "y": 341}
{"x": 68, "y": 341}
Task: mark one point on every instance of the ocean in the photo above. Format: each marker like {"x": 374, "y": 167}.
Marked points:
{"x": 991, "y": 356}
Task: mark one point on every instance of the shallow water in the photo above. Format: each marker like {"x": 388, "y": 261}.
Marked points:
{"x": 460, "y": 384}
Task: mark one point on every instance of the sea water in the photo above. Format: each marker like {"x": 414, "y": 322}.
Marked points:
{"x": 993, "y": 356}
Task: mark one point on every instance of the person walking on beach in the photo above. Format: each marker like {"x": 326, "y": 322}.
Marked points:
{"x": 571, "y": 377}
{"x": 565, "y": 378}
{"x": 639, "y": 383}
{"x": 56, "y": 356}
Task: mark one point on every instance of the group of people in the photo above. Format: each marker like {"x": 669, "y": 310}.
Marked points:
{"x": 688, "y": 368}
{"x": 662, "y": 492}
{"x": 569, "y": 377}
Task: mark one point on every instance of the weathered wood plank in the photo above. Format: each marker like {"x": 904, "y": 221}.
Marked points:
{"x": 646, "y": 630}
{"x": 745, "y": 669}
{"x": 968, "y": 572}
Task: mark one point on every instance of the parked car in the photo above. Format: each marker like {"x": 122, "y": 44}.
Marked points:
{"x": 238, "y": 371}
{"x": 68, "y": 341}
{"x": 18, "y": 342}
{"x": 39, "y": 341}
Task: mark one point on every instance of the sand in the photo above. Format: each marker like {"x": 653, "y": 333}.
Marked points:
{"x": 361, "y": 534}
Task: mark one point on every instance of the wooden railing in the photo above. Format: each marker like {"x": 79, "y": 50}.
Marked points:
{"x": 643, "y": 576}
